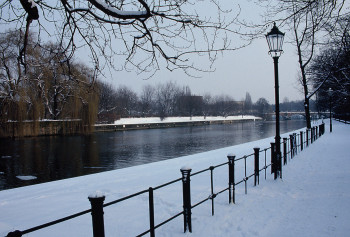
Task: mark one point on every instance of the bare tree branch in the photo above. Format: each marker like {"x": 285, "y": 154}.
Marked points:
{"x": 140, "y": 35}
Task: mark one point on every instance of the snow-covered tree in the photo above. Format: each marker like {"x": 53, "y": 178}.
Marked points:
{"x": 50, "y": 89}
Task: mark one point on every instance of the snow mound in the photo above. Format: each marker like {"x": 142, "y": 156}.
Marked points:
{"x": 26, "y": 177}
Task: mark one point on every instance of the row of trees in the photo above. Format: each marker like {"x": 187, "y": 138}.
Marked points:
{"x": 330, "y": 75}
{"x": 169, "y": 99}
{"x": 49, "y": 88}
{"x": 163, "y": 100}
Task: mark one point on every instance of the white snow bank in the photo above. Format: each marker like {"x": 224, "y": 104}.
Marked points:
{"x": 26, "y": 177}
{"x": 148, "y": 120}
{"x": 312, "y": 199}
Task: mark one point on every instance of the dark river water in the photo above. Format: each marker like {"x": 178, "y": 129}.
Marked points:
{"x": 42, "y": 159}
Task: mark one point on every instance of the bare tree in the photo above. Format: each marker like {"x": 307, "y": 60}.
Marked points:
{"x": 331, "y": 70}
{"x": 107, "y": 107}
{"x": 189, "y": 104}
{"x": 262, "y": 106}
{"x": 166, "y": 98}
{"x": 309, "y": 21}
{"x": 145, "y": 35}
{"x": 207, "y": 102}
{"x": 224, "y": 105}
{"x": 248, "y": 103}
{"x": 126, "y": 100}
{"x": 147, "y": 100}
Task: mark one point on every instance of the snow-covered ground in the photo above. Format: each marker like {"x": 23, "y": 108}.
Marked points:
{"x": 149, "y": 120}
{"x": 312, "y": 199}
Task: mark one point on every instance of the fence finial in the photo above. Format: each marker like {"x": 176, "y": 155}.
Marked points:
{"x": 96, "y": 199}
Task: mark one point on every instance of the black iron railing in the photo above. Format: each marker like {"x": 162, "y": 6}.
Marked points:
{"x": 291, "y": 146}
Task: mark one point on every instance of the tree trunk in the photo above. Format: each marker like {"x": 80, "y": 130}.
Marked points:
{"x": 307, "y": 112}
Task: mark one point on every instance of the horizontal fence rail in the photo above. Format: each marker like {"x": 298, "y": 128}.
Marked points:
{"x": 291, "y": 145}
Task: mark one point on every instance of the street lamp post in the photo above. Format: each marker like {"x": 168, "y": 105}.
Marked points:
{"x": 330, "y": 92}
{"x": 275, "y": 41}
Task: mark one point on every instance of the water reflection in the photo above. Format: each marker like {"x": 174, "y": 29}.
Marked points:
{"x": 54, "y": 158}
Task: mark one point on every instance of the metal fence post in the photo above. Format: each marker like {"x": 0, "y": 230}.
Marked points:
{"x": 97, "y": 215}
{"x": 273, "y": 160}
{"x": 295, "y": 144}
{"x": 231, "y": 178}
{"x": 245, "y": 174}
{"x": 256, "y": 165}
{"x": 272, "y": 157}
{"x": 212, "y": 195}
{"x": 312, "y": 135}
{"x": 301, "y": 141}
{"x": 291, "y": 146}
{"x": 151, "y": 211}
{"x": 323, "y": 128}
{"x": 186, "y": 194}
{"x": 285, "y": 150}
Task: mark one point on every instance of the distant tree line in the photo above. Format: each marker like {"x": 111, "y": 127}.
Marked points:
{"x": 170, "y": 99}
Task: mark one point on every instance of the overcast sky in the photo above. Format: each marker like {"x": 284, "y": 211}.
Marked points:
{"x": 246, "y": 70}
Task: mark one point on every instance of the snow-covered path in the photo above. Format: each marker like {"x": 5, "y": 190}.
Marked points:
{"x": 312, "y": 199}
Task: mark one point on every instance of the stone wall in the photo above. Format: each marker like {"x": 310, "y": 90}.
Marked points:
{"x": 41, "y": 128}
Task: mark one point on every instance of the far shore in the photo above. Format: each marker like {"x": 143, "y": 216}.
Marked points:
{"x": 156, "y": 122}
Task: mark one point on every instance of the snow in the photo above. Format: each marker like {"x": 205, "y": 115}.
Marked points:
{"x": 312, "y": 199}
{"x": 33, "y": 4}
{"x": 148, "y": 120}
{"x": 97, "y": 194}
{"x": 120, "y": 12}
{"x": 185, "y": 168}
{"x": 26, "y": 177}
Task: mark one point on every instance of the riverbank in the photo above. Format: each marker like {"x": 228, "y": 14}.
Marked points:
{"x": 310, "y": 200}
{"x": 15, "y": 129}
{"x": 169, "y": 122}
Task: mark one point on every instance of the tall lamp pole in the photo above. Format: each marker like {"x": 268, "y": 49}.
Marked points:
{"x": 330, "y": 92}
{"x": 275, "y": 41}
